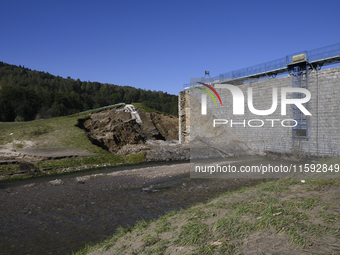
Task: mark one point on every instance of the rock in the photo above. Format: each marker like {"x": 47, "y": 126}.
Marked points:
{"x": 56, "y": 182}
{"x": 132, "y": 149}
{"x": 168, "y": 153}
{"x": 149, "y": 189}
{"x": 29, "y": 185}
{"x": 82, "y": 179}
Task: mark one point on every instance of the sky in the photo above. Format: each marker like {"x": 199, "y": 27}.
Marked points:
{"x": 159, "y": 45}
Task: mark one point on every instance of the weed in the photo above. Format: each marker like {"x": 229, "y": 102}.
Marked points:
{"x": 122, "y": 247}
{"x": 319, "y": 184}
{"x": 309, "y": 202}
{"x": 194, "y": 232}
{"x": 228, "y": 249}
{"x": 327, "y": 217}
{"x": 275, "y": 187}
{"x": 40, "y": 131}
{"x": 19, "y": 145}
{"x": 224, "y": 249}
{"x": 157, "y": 249}
{"x": 119, "y": 233}
{"x": 294, "y": 236}
{"x": 196, "y": 213}
{"x": 92, "y": 160}
{"x": 162, "y": 226}
{"x": 9, "y": 169}
{"x": 232, "y": 227}
{"x": 219, "y": 205}
{"x": 150, "y": 240}
{"x": 205, "y": 249}
{"x": 140, "y": 226}
{"x": 171, "y": 214}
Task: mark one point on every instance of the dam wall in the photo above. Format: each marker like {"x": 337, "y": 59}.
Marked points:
{"x": 275, "y": 134}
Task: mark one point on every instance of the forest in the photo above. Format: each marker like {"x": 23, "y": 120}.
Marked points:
{"x": 27, "y": 94}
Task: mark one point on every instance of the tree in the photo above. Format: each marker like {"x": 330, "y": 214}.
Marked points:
{"x": 24, "y": 93}
{"x": 114, "y": 98}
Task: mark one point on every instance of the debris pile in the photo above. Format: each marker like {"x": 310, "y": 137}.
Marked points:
{"x": 117, "y": 129}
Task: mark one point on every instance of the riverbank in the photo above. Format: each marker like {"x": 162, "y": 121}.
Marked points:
{"x": 282, "y": 217}
{"x": 62, "y": 214}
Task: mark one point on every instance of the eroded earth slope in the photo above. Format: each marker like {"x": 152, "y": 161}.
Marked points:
{"x": 113, "y": 129}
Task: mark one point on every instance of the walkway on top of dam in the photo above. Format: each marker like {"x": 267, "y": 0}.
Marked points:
{"x": 315, "y": 58}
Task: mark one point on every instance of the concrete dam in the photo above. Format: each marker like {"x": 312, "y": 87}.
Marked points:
{"x": 289, "y": 105}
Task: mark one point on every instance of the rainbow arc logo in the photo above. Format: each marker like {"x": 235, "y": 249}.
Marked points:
{"x": 209, "y": 93}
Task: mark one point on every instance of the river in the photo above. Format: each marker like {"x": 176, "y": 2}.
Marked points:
{"x": 40, "y": 218}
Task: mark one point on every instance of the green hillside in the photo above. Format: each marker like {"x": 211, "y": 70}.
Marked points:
{"x": 56, "y": 134}
{"x": 27, "y": 94}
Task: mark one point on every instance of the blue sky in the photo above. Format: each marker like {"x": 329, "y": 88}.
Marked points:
{"x": 159, "y": 45}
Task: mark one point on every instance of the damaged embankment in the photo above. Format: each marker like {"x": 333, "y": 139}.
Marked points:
{"x": 58, "y": 145}
{"x": 118, "y": 133}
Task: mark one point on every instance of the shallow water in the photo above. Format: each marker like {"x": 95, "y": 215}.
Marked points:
{"x": 46, "y": 219}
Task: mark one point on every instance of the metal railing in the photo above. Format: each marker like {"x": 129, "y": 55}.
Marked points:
{"x": 104, "y": 107}
{"x": 325, "y": 55}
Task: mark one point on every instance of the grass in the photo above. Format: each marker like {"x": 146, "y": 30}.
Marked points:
{"x": 142, "y": 107}
{"x": 194, "y": 232}
{"x": 150, "y": 240}
{"x": 9, "y": 169}
{"x": 52, "y": 167}
{"x": 232, "y": 227}
{"x": 158, "y": 249}
{"x": 108, "y": 159}
{"x": 162, "y": 226}
{"x": 59, "y": 133}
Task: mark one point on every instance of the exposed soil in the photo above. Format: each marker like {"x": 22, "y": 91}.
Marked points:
{"x": 112, "y": 129}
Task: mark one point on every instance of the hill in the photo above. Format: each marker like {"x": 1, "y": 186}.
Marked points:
{"x": 27, "y": 94}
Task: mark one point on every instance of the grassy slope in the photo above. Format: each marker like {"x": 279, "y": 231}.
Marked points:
{"x": 58, "y": 133}
{"x": 303, "y": 218}
{"x": 142, "y": 107}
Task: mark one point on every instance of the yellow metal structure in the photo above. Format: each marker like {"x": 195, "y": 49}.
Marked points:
{"x": 299, "y": 58}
